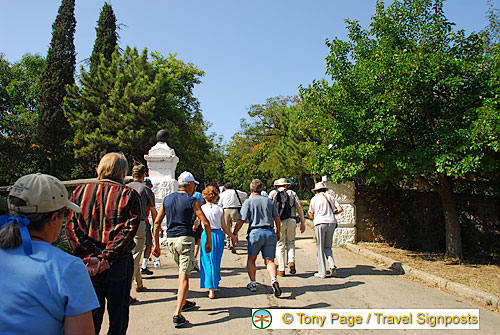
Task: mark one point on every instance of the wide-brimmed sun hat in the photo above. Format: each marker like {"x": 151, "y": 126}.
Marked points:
{"x": 319, "y": 186}
{"x": 281, "y": 181}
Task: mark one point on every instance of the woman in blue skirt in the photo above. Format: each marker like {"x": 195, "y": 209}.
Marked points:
{"x": 210, "y": 263}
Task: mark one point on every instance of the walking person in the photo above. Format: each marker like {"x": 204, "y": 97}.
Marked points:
{"x": 198, "y": 231}
{"x": 44, "y": 289}
{"x": 262, "y": 217}
{"x": 288, "y": 204}
{"x": 231, "y": 201}
{"x": 179, "y": 210}
{"x": 149, "y": 235}
{"x": 210, "y": 262}
{"x": 105, "y": 228}
{"x": 322, "y": 210}
{"x": 143, "y": 235}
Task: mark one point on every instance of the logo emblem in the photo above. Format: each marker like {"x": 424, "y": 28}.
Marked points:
{"x": 262, "y": 319}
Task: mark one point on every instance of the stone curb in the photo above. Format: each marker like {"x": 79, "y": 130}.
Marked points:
{"x": 400, "y": 268}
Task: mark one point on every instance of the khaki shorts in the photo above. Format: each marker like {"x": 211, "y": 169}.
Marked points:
{"x": 182, "y": 249}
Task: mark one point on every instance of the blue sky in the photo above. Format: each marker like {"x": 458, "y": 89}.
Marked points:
{"x": 250, "y": 50}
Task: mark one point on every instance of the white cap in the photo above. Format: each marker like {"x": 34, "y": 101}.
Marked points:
{"x": 186, "y": 177}
{"x": 43, "y": 194}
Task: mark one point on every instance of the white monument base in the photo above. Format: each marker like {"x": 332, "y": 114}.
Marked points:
{"x": 344, "y": 235}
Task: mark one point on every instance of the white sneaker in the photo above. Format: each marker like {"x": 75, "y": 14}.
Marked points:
{"x": 333, "y": 271}
{"x": 252, "y": 287}
{"x": 318, "y": 275}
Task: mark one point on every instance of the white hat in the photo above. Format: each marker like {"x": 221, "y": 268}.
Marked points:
{"x": 319, "y": 186}
{"x": 42, "y": 193}
{"x": 281, "y": 181}
{"x": 186, "y": 177}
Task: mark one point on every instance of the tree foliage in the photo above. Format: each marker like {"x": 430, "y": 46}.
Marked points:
{"x": 106, "y": 37}
{"x": 121, "y": 106}
{"x": 55, "y": 133}
{"x": 270, "y": 146}
{"x": 403, "y": 104}
{"x": 19, "y": 89}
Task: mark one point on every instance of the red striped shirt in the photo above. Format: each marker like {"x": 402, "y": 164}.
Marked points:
{"x": 108, "y": 221}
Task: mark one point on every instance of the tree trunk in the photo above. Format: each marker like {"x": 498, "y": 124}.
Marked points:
{"x": 451, "y": 220}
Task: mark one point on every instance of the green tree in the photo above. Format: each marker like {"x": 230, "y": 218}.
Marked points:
{"x": 55, "y": 133}
{"x": 106, "y": 37}
{"x": 269, "y": 145}
{"x": 404, "y": 100}
{"x": 121, "y": 106}
{"x": 19, "y": 90}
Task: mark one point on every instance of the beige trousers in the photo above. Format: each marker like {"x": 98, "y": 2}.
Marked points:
{"x": 137, "y": 252}
{"x": 285, "y": 248}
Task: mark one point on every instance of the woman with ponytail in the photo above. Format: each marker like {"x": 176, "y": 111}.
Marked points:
{"x": 44, "y": 289}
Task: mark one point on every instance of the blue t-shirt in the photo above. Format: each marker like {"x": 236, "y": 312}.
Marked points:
{"x": 259, "y": 212}
{"x": 179, "y": 214}
{"x": 39, "y": 290}
{"x": 197, "y": 195}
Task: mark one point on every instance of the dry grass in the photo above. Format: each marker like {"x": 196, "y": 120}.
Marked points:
{"x": 485, "y": 277}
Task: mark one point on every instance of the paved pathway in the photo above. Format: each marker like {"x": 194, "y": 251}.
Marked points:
{"x": 360, "y": 284}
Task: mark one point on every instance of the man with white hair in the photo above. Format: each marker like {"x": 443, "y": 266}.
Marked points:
{"x": 287, "y": 202}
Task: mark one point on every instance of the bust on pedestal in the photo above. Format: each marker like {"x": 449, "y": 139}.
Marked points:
{"x": 162, "y": 162}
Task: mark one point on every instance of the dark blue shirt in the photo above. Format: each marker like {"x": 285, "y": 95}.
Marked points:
{"x": 179, "y": 214}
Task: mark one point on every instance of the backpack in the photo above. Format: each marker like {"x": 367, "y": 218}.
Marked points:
{"x": 282, "y": 202}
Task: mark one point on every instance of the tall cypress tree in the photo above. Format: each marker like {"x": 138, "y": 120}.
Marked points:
{"x": 107, "y": 37}
{"x": 55, "y": 134}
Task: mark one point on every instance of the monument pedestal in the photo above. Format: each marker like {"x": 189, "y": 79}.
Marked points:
{"x": 346, "y": 221}
{"x": 162, "y": 162}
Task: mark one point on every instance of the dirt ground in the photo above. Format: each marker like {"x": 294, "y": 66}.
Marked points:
{"x": 485, "y": 277}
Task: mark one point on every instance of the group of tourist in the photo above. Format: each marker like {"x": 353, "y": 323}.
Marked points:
{"x": 107, "y": 229}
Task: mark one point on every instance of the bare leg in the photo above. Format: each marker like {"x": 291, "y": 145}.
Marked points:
{"x": 251, "y": 268}
{"x": 271, "y": 267}
{"x": 147, "y": 251}
{"x": 182, "y": 291}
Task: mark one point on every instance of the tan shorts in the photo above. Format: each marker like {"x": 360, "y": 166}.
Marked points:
{"x": 182, "y": 249}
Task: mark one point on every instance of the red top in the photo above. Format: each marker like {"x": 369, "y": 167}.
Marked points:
{"x": 108, "y": 221}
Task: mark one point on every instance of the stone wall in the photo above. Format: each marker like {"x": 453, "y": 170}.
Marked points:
{"x": 346, "y": 221}
{"x": 414, "y": 220}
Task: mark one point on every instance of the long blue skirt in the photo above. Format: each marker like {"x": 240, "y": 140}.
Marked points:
{"x": 210, "y": 263}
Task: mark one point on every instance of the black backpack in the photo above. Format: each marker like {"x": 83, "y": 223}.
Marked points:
{"x": 282, "y": 202}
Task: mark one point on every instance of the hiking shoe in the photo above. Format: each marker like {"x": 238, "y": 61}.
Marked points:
{"x": 292, "y": 268}
{"x": 146, "y": 271}
{"x": 252, "y": 287}
{"x": 276, "y": 289}
{"x": 318, "y": 275}
{"x": 179, "y": 321}
{"x": 188, "y": 305}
